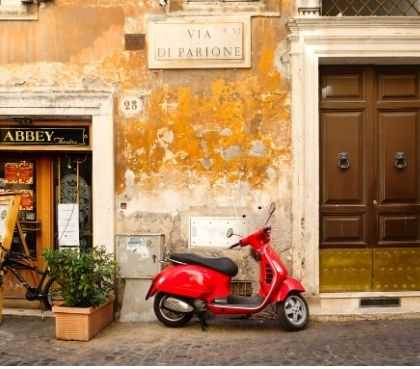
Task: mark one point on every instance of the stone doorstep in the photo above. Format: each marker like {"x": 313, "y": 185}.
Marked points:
{"x": 342, "y": 306}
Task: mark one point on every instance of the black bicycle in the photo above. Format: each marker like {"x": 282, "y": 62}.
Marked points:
{"x": 47, "y": 291}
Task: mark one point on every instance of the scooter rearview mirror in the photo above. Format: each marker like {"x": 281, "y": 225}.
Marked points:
{"x": 271, "y": 211}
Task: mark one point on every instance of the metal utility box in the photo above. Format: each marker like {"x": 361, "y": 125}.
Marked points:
{"x": 138, "y": 255}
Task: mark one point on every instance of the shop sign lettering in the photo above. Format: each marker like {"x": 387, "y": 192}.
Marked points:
{"x": 199, "y": 43}
{"x": 44, "y": 136}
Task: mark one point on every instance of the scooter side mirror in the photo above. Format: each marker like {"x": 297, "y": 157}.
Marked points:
{"x": 229, "y": 233}
{"x": 271, "y": 211}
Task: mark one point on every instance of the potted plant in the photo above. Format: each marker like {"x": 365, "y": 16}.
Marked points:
{"x": 86, "y": 280}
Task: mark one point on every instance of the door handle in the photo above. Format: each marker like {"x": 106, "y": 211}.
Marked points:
{"x": 154, "y": 258}
{"x": 400, "y": 161}
{"x": 343, "y": 161}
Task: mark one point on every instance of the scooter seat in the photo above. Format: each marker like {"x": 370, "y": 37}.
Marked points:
{"x": 223, "y": 265}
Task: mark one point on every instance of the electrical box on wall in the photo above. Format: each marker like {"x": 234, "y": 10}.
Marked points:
{"x": 138, "y": 255}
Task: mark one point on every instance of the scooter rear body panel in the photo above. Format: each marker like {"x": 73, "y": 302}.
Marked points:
{"x": 193, "y": 281}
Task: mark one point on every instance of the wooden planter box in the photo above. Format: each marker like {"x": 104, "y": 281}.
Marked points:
{"x": 81, "y": 324}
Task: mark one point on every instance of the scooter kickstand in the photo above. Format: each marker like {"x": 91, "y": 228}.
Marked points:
{"x": 203, "y": 323}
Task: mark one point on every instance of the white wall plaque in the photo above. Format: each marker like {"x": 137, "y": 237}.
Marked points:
{"x": 211, "y": 231}
{"x": 199, "y": 42}
{"x": 131, "y": 105}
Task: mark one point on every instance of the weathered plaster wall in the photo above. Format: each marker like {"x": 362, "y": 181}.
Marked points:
{"x": 209, "y": 142}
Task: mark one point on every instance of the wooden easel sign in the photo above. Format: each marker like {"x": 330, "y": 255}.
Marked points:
{"x": 9, "y": 207}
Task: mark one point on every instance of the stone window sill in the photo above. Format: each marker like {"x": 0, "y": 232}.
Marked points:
{"x": 223, "y": 5}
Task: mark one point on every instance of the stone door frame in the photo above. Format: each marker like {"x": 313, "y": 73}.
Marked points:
{"x": 98, "y": 106}
{"x": 316, "y": 40}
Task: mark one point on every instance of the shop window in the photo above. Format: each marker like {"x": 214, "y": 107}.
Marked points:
{"x": 371, "y": 7}
{"x": 18, "y": 176}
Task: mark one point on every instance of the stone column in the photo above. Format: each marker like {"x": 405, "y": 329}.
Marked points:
{"x": 308, "y": 8}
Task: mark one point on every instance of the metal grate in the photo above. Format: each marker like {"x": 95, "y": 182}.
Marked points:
{"x": 371, "y": 7}
{"x": 268, "y": 274}
{"x": 380, "y": 302}
{"x": 241, "y": 288}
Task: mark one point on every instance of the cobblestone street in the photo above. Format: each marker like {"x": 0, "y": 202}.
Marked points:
{"x": 30, "y": 341}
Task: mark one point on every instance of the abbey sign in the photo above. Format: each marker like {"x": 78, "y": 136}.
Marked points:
{"x": 199, "y": 42}
{"x": 16, "y": 135}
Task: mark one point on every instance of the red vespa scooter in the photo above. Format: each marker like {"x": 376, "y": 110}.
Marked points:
{"x": 193, "y": 284}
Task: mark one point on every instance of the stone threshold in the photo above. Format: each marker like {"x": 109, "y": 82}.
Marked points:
{"x": 28, "y": 312}
{"x": 346, "y": 306}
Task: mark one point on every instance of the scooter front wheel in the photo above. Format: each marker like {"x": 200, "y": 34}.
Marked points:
{"x": 293, "y": 312}
{"x": 169, "y": 317}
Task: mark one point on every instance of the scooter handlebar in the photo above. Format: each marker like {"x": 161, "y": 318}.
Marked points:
{"x": 235, "y": 245}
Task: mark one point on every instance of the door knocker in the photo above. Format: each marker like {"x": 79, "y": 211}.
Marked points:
{"x": 400, "y": 161}
{"x": 343, "y": 160}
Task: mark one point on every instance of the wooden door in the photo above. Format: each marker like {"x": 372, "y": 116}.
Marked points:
{"x": 369, "y": 162}
{"x": 35, "y": 215}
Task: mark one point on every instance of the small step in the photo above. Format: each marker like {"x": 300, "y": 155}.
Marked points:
{"x": 28, "y": 312}
{"x": 386, "y": 301}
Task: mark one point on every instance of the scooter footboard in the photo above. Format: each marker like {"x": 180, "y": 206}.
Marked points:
{"x": 287, "y": 286}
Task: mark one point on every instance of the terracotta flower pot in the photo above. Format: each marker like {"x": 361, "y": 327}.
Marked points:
{"x": 81, "y": 324}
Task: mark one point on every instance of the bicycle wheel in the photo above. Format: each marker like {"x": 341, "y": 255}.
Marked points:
{"x": 51, "y": 294}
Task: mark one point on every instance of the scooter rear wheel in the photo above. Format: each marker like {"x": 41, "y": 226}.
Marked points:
{"x": 293, "y": 312}
{"x": 169, "y": 317}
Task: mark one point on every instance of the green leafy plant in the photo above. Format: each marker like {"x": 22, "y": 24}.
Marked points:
{"x": 86, "y": 277}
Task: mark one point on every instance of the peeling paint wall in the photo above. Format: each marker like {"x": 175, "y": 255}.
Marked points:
{"x": 208, "y": 142}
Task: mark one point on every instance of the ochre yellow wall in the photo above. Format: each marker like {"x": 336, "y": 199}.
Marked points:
{"x": 209, "y": 142}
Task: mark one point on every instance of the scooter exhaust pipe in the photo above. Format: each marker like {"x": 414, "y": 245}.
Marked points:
{"x": 177, "y": 305}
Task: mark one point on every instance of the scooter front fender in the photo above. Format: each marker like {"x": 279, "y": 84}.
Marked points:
{"x": 152, "y": 289}
{"x": 287, "y": 286}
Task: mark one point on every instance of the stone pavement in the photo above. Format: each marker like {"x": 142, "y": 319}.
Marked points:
{"x": 30, "y": 341}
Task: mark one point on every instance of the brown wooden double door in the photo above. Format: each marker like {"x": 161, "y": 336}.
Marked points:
{"x": 369, "y": 173}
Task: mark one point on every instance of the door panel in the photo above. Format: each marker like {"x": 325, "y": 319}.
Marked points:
{"x": 393, "y": 86}
{"x": 397, "y": 153}
{"x": 345, "y": 270}
{"x": 343, "y": 86}
{"x": 396, "y": 269}
{"x": 369, "y": 212}
{"x": 343, "y": 229}
{"x": 343, "y": 157}
{"x": 399, "y": 228}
